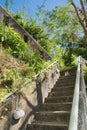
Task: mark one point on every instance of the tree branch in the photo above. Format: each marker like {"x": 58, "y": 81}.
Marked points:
{"x": 84, "y": 11}
{"x": 80, "y": 20}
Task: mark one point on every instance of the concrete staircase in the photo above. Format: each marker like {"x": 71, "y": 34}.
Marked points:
{"x": 54, "y": 114}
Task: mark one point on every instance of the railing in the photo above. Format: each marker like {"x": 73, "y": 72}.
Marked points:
{"x": 79, "y": 109}
{"x": 23, "y": 84}
{"x": 48, "y": 67}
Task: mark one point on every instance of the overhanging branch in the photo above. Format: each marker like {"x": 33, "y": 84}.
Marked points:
{"x": 80, "y": 20}
{"x": 84, "y": 11}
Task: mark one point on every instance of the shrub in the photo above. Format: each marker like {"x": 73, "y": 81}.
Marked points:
{"x": 13, "y": 42}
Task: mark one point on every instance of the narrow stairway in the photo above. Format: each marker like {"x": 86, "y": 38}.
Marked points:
{"x": 54, "y": 114}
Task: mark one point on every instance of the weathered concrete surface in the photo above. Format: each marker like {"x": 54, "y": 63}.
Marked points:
{"x": 25, "y": 35}
{"x": 29, "y": 99}
{"x": 56, "y": 115}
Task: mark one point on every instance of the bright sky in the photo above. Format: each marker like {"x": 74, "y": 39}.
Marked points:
{"x": 32, "y": 5}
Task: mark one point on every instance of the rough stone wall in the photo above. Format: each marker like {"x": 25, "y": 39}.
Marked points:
{"x": 29, "y": 39}
{"x": 29, "y": 99}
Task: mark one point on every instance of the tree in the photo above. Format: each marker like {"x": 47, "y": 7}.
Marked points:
{"x": 63, "y": 26}
{"x": 81, "y": 13}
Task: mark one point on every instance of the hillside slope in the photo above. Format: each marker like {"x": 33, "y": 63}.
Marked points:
{"x": 13, "y": 73}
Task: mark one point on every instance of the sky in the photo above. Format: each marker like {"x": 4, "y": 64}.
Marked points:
{"x": 31, "y": 6}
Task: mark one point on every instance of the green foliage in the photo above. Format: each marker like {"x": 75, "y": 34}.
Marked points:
{"x": 59, "y": 33}
{"x": 38, "y": 32}
{"x": 3, "y": 94}
{"x": 81, "y": 51}
{"x": 7, "y": 2}
{"x": 85, "y": 74}
{"x": 20, "y": 17}
{"x": 35, "y": 60}
{"x": 65, "y": 31}
{"x": 12, "y": 41}
{"x": 58, "y": 29}
{"x": 13, "y": 73}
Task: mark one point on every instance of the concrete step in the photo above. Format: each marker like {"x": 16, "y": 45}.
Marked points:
{"x": 47, "y": 126}
{"x": 60, "y": 99}
{"x": 51, "y": 116}
{"x": 65, "y": 80}
{"x": 65, "y": 83}
{"x": 68, "y": 77}
{"x": 63, "y": 88}
{"x": 61, "y": 93}
{"x": 56, "y": 106}
{"x": 54, "y": 114}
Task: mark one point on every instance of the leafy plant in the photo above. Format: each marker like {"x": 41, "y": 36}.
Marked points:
{"x": 37, "y": 31}
{"x": 13, "y": 42}
{"x": 3, "y": 94}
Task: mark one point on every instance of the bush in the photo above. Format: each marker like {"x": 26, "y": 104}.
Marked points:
{"x": 12, "y": 41}
{"x": 38, "y": 32}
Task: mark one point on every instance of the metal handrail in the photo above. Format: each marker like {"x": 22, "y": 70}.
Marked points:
{"x": 48, "y": 67}
{"x": 36, "y": 76}
{"x": 73, "y": 124}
